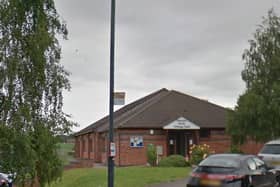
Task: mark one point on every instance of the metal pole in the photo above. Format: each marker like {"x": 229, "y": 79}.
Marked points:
{"x": 111, "y": 112}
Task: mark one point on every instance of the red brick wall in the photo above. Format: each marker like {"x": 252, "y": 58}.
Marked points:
{"x": 252, "y": 147}
{"x": 217, "y": 143}
{"x": 221, "y": 144}
{"x": 84, "y": 146}
{"x": 91, "y": 145}
{"x": 127, "y": 155}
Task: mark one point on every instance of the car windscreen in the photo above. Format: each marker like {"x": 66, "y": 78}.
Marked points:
{"x": 271, "y": 149}
{"x": 222, "y": 162}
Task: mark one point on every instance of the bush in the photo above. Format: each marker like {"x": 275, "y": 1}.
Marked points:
{"x": 173, "y": 161}
{"x": 152, "y": 155}
{"x": 198, "y": 153}
{"x": 71, "y": 153}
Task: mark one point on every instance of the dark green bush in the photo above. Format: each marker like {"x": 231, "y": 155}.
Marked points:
{"x": 173, "y": 161}
{"x": 71, "y": 153}
{"x": 152, "y": 155}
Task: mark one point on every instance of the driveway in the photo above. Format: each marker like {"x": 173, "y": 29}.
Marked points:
{"x": 178, "y": 183}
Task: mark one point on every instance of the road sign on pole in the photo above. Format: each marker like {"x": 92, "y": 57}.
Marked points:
{"x": 119, "y": 98}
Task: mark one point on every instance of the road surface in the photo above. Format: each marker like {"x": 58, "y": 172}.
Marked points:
{"x": 178, "y": 183}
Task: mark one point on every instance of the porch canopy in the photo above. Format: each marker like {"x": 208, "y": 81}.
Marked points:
{"x": 181, "y": 124}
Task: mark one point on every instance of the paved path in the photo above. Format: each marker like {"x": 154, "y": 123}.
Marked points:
{"x": 178, "y": 183}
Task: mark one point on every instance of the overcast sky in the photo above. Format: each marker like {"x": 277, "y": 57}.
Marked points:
{"x": 193, "y": 46}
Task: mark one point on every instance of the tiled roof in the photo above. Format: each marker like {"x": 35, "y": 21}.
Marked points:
{"x": 159, "y": 109}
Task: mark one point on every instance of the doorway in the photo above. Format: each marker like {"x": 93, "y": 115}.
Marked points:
{"x": 178, "y": 142}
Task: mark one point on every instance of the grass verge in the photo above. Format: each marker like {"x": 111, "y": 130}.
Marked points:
{"x": 124, "y": 177}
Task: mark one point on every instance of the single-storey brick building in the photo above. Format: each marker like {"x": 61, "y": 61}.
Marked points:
{"x": 170, "y": 120}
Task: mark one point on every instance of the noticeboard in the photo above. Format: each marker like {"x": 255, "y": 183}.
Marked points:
{"x": 136, "y": 141}
{"x": 159, "y": 150}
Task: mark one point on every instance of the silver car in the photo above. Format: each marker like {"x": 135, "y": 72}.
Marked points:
{"x": 270, "y": 154}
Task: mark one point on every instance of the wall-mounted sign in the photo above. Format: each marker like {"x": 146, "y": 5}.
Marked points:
{"x": 112, "y": 149}
{"x": 181, "y": 123}
{"x": 119, "y": 98}
{"x": 190, "y": 141}
{"x": 136, "y": 141}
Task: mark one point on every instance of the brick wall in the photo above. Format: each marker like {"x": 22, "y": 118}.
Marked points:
{"x": 127, "y": 155}
{"x": 94, "y": 146}
{"x": 84, "y": 146}
{"x": 252, "y": 147}
{"x": 221, "y": 144}
{"x": 217, "y": 143}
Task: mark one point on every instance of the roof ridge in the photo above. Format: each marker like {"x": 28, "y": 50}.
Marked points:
{"x": 145, "y": 108}
{"x": 138, "y": 106}
{"x": 148, "y": 102}
{"x": 196, "y": 98}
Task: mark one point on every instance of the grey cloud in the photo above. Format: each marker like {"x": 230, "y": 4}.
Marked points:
{"x": 194, "y": 46}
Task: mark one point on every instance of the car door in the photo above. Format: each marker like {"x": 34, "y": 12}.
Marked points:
{"x": 268, "y": 177}
{"x": 256, "y": 176}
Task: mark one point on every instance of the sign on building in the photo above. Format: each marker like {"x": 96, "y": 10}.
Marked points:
{"x": 136, "y": 141}
{"x": 119, "y": 98}
{"x": 181, "y": 124}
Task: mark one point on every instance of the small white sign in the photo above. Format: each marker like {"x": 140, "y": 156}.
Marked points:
{"x": 190, "y": 141}
{"x": 112, "y": 149}
{"x": 181, "y": 123}
{"x": 119, "y": 98}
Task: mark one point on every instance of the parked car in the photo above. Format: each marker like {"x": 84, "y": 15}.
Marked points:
{"x": 270, "y": 154}
{"x": 3, "y": 182}
{"x": 232, "y": 170}
{"x": 6, "y": 179}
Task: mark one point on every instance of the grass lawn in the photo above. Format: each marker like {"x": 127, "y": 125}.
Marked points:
{"x": 64, "y": 149}
{"x": 124, "y": 177}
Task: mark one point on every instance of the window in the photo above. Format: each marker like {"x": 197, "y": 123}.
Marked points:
{"x": 204, "y": 133}
{"x": 220, "y": 162}
{"x": 260, "y": 163}
{"x": 218, "y": 132}
{"x": 271, "y": 149}
{"x": 83, "y": 145}
{"x": 90, "y": 145}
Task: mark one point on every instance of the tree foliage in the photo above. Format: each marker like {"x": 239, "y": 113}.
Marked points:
{"x": 256, "y": 115}
{"x": 31, "y": 85}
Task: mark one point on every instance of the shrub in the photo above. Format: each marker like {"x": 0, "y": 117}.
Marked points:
{"x": 198, "y": 153}
{"x": 152, "y": 155}
{"x": 71, "y": 153}
{"x": 173, "y": 161}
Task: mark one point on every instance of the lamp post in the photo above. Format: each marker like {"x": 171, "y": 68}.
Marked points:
{"x": 111, "y": 107}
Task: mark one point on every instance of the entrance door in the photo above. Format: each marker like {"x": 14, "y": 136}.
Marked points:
{"x": 178, "y": 143}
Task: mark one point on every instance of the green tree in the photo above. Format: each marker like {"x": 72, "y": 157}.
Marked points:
{"x": 31, "y": 84}
{"x": 256, "y": 115}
